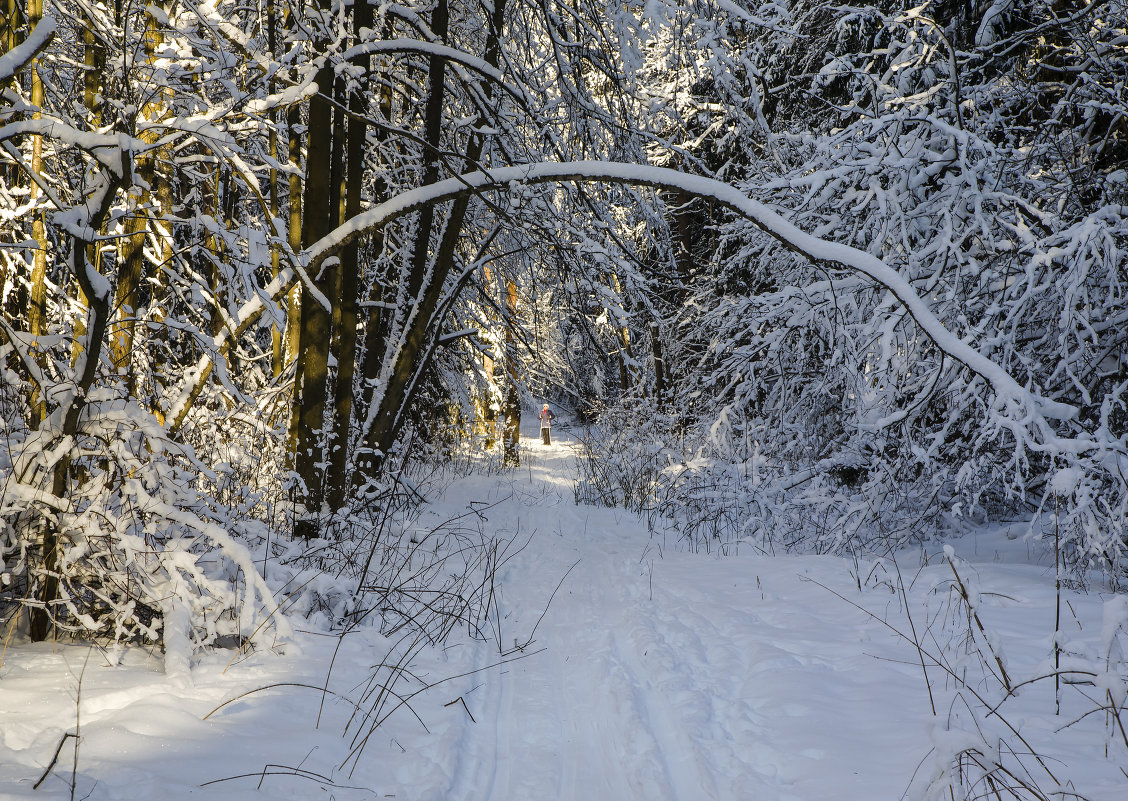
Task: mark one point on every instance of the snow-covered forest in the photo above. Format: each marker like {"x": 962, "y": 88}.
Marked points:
{"x": 814, "y": 289}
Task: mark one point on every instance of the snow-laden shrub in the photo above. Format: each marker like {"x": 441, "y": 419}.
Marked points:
{"x": 108, "y": 532}
{"x": 1085, "y": 515}
{"x": 938, "y": 149}
{"x": 622, "y": 458}
{"x": 730, "y": 490}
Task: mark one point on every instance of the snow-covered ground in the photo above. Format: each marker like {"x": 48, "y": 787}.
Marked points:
{"x": 654, "y": 674}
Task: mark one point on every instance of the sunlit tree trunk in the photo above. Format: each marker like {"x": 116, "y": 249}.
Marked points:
{"x": 130, "y": 268}
{"x": 131, "y": 258}
{"x": 148, "y": 223}
{"x": 37, "y": 306}
{"x": 276, "y": 333}
{"x": 512, "y": 439}
{"x": 161, "y": 173}
{"x": 485, "y": 412}
{"x": 292, "y": 340}
{"x": 40, "y": 617}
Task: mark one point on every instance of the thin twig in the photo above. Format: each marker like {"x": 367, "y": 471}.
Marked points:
{"x": 915, "y": 638}
{"x": 54, "y": 759}
{"x": 463, "y": 700}
{"x": 284, "y": 770}
{"x": 544, "y": 611}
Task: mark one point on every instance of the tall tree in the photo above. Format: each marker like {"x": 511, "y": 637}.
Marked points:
{"x": 349, "y": 286}
{"x": 318, "y": 217}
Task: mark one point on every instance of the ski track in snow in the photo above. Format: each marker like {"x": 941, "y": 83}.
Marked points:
{"x": 655, "y": 674}
{"x": 649, "y": 689}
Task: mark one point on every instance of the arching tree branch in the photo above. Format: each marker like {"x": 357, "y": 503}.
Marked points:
{"x": 1025, "y": 412}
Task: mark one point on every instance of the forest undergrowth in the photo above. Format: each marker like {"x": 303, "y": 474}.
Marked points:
{"x": 726, "y": 498}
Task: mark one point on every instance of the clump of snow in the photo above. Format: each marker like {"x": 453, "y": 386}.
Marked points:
{"x": 1065, "y": 481}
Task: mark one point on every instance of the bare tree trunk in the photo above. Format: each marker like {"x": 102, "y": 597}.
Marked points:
{"x": 37, "y": 307}
{"x": 134, "y": 267}
{"x": 512, "y": 441}
{"x": 98, "y": 317}
{"x": 292, "y": 339}
{"x": 415, "y": 351}
{"x": 346, "y": 335}
{"x": 36, "y": 313}
{"x": 377, "y": 443}
{"x": 376, "y": 319}
{"x": 9, "y": 24}
{"x": 333, "y": 492}
{"x": 660, "y": 377}
{"x": 16, "y": 304}
{"x": 131, "y": 260}
{"x": 212, "y": 201}
{"x": 294, "y": 296}
{"x": 159, "y": 172}
{"x": 316, "y": 321}
{"x": 629, "y": 377}
{"x": 276, "y": 333}
{"x": 432, "y": 134}
{"x": 485, "y": 413}
{"x": 94, "y": 60}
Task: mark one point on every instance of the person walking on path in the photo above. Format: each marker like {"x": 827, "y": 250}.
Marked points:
{"x": 546, "y": 418}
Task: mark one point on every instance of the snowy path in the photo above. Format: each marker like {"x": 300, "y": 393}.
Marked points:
{"x": 654, "y": 675}
{"x": 675, "y": 678}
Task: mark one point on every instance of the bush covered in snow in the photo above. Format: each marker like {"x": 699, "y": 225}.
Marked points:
{"x": 810, "y": 406}
{"x": 129, "y": 547}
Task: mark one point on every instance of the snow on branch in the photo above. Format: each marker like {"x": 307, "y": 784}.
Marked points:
{"x": 1023, "y": 411}
{"x": 22, "y": 54}
{"x": 426, "y": 48}
{"x": 1028, "y": 409}
{"x": 108, "y": 148}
